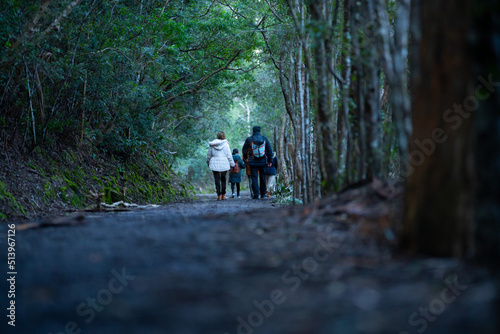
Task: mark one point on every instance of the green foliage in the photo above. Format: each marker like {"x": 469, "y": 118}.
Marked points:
{"x": 50, "y": 193}
{"x": 9, "y": 200}
{"x": 284, "y": 194}
{"x": 112, "y": 195}
{"x": 143, "y": 84}
{"x": 227, "y": 110}
{"x": 120, "y": 75}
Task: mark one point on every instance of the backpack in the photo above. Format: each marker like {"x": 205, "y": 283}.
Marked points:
{"x": 257, "y": 153}
{"x": 236, "y": 168}
{"x": 258, "y": 149}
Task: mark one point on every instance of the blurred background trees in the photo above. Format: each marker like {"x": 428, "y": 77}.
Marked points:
{"x": 140, "y": 78}
{"x": 328, "y": 81}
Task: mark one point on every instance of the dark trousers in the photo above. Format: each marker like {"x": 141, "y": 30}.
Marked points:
{"x": 220, "y": 182}
{"x": 250, "y": 183}
{"x": 237, "y": 188}
{"x": 258, "y": 175}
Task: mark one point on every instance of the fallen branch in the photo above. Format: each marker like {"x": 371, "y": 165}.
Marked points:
{"x": 54, "y": 222}
{"x": 120, "y": 206}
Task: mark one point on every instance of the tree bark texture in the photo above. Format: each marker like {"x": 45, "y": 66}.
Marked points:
{"x": 372, "y": 94}
{"x": 343, "y": 127}
{"x": 322, "y": 17}
{"x": 358, "y": 155}
{"x": 394, "y": 53}
{"x": 439, "y": 197}
{"x": 282, "y": 165}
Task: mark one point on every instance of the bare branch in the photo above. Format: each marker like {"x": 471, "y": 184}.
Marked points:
{"x": 55, "y": 24}
{"x": 208, "y": 9}
{"x": 275, "y": 62}
{"x": 262, "y": 20}
{"x": 232, "y": 9}
{"x": 200, "y": 82}
{"x": 32, "y": 26}
{"x": 274, "y": 13}
{"x": 339, "y": 79}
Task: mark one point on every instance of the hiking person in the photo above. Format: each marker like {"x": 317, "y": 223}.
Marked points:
{"x": 235, "y": 176}
{"x": 271, "y": 176}
{"x": 220, "y": 160}
{"x": 257, "y": 151}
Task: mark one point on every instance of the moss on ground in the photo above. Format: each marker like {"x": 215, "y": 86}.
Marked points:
{"x": 50, "y": 182}
{"x": 9, "y": 204}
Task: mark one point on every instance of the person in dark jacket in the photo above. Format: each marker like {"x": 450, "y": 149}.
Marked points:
{"x": 235, "y": 178}
{"x": 254, "y": 143}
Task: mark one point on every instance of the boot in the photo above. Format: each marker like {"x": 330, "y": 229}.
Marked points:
{"x": 219, "y": 198}
{"x": 224, "y": 197}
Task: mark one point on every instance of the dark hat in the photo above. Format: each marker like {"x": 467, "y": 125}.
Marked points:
{"x": 235, "y": 151}
{"x": 256, "y": 128}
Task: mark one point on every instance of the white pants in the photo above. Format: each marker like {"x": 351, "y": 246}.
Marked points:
{"x": 270, "y": 183}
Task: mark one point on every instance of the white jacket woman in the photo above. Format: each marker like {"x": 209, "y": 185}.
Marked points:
{"x": 219, "y": 157}
{"x": 219, "y": 160}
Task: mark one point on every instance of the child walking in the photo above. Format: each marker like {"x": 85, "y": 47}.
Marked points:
{"x": 235, "y": 178}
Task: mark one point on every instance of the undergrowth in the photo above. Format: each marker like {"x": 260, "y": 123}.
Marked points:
{"x": 51, "y": 181}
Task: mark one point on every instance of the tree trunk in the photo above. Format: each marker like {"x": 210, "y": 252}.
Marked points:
{"x": 439, "y": 197}
{"x": 306, "y": 147}
{"x": 357, "y": 155}
{"x": 300, "y": 133}
{"x": 487, "y": 117}
{"x": 394, "y": 53}
{"x": 282, "y": 165}
{"x": 372, "y": 92}
{"x": 321, "y": 15}
{"x": 344, "y": 143}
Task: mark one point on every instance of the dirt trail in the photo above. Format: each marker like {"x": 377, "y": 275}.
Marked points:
{"x": 236, "y": 266}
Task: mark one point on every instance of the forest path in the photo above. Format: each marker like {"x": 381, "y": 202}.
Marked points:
{"x": 236, "y": 266}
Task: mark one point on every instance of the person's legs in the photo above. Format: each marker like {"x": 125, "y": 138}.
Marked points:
{"x": 232, "y": 188}
{"x": 255, "y": 182}
{"x": 250, "y": 184}
{"x": 237, "y": 189}
{"x": 217, "y": 182}
{"x": 262, "y": 179}
{"x": 223, "y": 184}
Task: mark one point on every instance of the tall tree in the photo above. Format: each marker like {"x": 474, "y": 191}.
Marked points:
{"x": 439, "y": 197}
{"x": 323, "y": 18}
{"x": 394, "y": 52}
{"x": 344, "y": 132}
{"x": 294, "y": 65}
